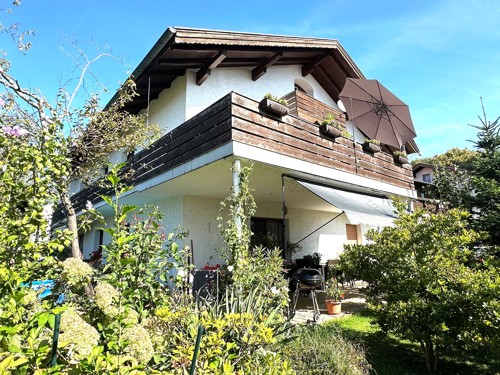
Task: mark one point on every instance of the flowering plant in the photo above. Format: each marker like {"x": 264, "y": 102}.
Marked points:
{"x": 333, "y": 292}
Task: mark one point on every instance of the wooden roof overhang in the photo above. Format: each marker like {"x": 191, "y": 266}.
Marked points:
{"x": 180, "y": 48}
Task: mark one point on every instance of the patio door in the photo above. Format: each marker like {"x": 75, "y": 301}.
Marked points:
{"x": 267, "y": 232}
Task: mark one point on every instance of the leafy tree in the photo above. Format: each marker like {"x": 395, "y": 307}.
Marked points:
{"x": 455, "y": 157}
{"x": 86, "y": 136}
{"x": 474, "y": 183}
{"x": 424, "y": 284}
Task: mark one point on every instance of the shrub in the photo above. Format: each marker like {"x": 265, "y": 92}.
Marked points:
{"x": 426, "y": 285}
{"x": 240, "y": 336}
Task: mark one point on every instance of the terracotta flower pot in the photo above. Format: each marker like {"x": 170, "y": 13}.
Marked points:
{"x": 333, "y": 307}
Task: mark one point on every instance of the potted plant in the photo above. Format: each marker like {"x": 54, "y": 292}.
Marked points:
{"x": 333, "y": 297}
{"x": 400, "y": 157}
{"x": 331, "y": 126}
{"x": 274, "y": 105}
{"x": 372, "y": 145}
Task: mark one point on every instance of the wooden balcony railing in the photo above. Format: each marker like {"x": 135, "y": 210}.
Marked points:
{"x": 239, "y": 119}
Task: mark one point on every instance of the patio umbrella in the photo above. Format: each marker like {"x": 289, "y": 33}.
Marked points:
{"x": 377, "y": 112}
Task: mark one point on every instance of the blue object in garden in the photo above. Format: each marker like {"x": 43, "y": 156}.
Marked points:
{"x": 46, "y": 286}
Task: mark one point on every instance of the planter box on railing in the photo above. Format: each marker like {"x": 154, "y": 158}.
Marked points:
{"x": 401, "y": 159}
{"x": 372, "y": 147}
{"x": 330, "y": 130}
{"x": 273, "y": 108}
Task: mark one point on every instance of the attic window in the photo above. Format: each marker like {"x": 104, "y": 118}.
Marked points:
{"x": 303, "y": 86}
{"x": 299, "y": 88}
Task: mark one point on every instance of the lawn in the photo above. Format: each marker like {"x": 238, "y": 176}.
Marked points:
{"x": 390, "y": 355}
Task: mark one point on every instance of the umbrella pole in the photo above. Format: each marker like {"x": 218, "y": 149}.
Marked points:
{"x": 354, "y": 141}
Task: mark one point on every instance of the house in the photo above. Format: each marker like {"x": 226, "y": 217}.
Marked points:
{"x": 204, "y": 88}
{"x": 423, "y": 174}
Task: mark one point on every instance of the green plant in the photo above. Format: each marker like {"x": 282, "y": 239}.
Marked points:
{"x": 312, "y": 259}
{"x": 241, "y": 335}
{"x": 346, "y": 134}
{"x": 332, "y": 121}
{"x": 276, "y": 99}
{"x": 374, "y": 141}
{"x": 425, "y": 285}
{"x": 332, "y": 291}
{"x": 400, "y": 153}
{"x": 470, "y": 180}
{"x": 323, "y": 349}
{"x": 250, "y": 268}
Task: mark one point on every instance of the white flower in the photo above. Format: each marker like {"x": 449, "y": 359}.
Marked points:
{"x": 230, "y": 268}
{"x": 89, "y": 206}
{"x": 181, "y": 273}
{"x": 274, "y": 290}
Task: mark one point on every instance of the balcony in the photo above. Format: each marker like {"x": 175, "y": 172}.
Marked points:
{"x": 236, "y": 118}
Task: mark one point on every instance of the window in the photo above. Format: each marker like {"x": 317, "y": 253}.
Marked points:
{"x": 266, "y": 232}
{"x": 426, "y": 177}
{"x": 352, "y": 233}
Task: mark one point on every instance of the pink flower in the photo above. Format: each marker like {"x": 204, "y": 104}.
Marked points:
{"x": 14, "y": 131}
{"x": 2, "y": 102}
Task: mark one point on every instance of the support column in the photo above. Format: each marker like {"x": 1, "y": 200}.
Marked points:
{"x": 236, "y": 192}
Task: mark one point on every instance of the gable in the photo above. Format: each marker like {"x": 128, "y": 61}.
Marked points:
{"x": 180, "y": 49}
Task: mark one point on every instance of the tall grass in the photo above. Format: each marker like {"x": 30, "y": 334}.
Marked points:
{"x": 321, "y": 349}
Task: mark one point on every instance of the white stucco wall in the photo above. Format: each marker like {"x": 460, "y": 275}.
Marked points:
{"x": 169, "y": 110}
{"x": 420, "y": 173}
{"x": 200, "y": 218}
{"x": 279, "y": 80}
{"x": 172, "y": 209}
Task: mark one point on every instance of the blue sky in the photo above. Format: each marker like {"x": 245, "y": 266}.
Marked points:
{"x": 438, "y": 56}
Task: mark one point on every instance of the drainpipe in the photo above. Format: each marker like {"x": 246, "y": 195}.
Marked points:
{"x": 236, "y": 192}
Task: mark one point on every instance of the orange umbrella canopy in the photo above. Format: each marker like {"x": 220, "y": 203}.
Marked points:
{"x": 377, "y": 112}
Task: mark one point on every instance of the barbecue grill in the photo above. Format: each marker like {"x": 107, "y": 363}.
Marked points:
{"x": 307, "y": 280}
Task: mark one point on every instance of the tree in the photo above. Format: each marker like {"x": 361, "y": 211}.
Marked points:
{"x": 86, "y": 136}
{"x": 474, "y": 183}
{"x": 424, "y": 284}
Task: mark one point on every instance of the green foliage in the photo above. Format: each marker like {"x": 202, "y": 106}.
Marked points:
{"x": 139, "y": 260}
{"x": 276, "y": 99}
{"x": 374, "y": 141}
{"x": 258, "y": 268}
{"x": 26, "y": 327}
{"x": 455, "y": 157}
{"x": 139, "y": 257}
{"x": 240, "y": 336}
{"x": 322, "y": 349}
{"x": 332, "y": 121}
{"x": 425, "y": 285}
{"x": 332, "y": 290}
{"x": 471, "y": 181}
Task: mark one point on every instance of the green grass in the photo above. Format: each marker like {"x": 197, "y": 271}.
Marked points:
{"x": 389, "y": 355}
{"x": 321, "y": 349}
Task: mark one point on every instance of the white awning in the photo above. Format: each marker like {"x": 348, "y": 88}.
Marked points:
{"x": 359, "y": 208}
